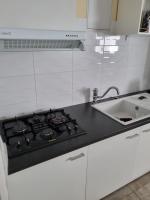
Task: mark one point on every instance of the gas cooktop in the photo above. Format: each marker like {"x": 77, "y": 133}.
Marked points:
{"x": 28, "y": 133}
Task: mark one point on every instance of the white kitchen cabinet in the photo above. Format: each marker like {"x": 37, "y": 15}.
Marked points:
{"x": 99, "y": 14}
{"x": 63, "y": 178}
{"x": 142, "y": 164}
{"x": 130, "y": 15}
{"x": 48, "y": 14}
{"x": 111, "y": 164}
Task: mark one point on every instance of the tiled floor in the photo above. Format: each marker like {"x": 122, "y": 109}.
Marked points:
{"x": 137, "y": 190}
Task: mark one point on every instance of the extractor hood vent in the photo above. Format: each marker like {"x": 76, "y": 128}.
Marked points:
{"x": 41, "y": 44}
{"x": 28, "y": 40}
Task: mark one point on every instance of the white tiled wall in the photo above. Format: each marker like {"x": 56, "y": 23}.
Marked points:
{"x": 40, "y": 80}
{"x": 52, "y": 62}
{"x": 54, "y": 90}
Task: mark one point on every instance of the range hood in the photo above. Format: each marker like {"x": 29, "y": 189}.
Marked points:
{"x": 30, "y": 40}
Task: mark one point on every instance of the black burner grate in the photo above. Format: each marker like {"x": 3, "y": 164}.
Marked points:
{"x": 28, "y": 133}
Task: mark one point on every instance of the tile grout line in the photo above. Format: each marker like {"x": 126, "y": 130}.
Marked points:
{"x": 35, "y": 82}
{"x": 86, "y": 184}
{"x": 72, "y": 77}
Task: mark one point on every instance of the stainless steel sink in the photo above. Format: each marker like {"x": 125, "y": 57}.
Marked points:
{"x": 123, "y": 111}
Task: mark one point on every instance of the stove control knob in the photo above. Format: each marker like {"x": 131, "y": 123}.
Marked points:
{"x": 75, "y": 127}
{"x": 69, "y": 128}
{"x": 18, "y": 144}
{"x": 27, "y": 141}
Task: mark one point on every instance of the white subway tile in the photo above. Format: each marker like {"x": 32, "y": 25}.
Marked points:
{"x": 83, "y": 84}
{"x": 135, "y": 78}
{"x": 146, "y": 78}
{"x": 138, "y": 51}
{"x": 86, "y": 60}
{"x": 52, "y": 61}
{"x": 16, "y": 64}
{"x": 13, "y": 110}
{"x": 17, "y": 89}
{"x": 92, "y": 37}
{"x": 54, "y": 90}
{"x": 114, "y": 76}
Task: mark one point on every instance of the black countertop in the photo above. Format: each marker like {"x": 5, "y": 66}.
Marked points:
{"x": 97, "y": 125}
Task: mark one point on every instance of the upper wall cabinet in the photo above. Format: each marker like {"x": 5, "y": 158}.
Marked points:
{"x": 47, "y": 14}
{"x": 121, "y": 17}
{"x": 133, "y": 17}
{"x": 99, "y": 14}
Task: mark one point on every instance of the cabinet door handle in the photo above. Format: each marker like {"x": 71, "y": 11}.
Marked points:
{"x": 76, "y": 157}
{"x": 147, "y": 130}
{"x": 133, "y": 136}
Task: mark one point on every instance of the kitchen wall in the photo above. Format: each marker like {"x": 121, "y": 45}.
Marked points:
{"x": 31, "y": 81}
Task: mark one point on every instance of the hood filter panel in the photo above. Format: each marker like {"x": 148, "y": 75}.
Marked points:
{"x": 20, "y": 44}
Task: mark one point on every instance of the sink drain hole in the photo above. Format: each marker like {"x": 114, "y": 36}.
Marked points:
{"x": 125, "y": 119}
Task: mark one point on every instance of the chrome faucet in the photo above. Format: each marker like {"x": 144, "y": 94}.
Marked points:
{"x": 95, "y": 93}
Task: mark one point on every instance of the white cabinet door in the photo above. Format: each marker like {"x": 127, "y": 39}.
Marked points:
{"x": 60, "y": 178}
{"x": 99, "y": 14}
{"x": 111, "y": 164}
{"x": 129, "y": 16}
{"x": 47, "y": 14}
{"x": 142, "y": 165}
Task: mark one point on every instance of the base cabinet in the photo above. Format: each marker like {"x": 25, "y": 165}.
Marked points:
{"x": 142, "y": 164}
{"x": 111, "y": 164}
{"x": 60, "y": 178}
{"x": 89, "y": 173}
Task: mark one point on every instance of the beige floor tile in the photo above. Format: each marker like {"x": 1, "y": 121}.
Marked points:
{"x": 118, "y": 195}
{"x": 146, "y": 198}
{"x": 140, "y": 183}
{"x": 137, "y": 190}
{"x": 144, "y": 192}
{"x": 131, "y": 197}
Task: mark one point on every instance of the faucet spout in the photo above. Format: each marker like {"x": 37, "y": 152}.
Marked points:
{"x": 111, "y": 88}
{"x": 95, "y": 93}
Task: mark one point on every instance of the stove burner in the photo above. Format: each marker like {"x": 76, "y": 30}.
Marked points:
{"x": 29, "y": 133}
{"x": 36, "y": 119}
{"x": 19, "y": 127}
{"x": 47, "y": 134}
{"x": 58, "y": 120}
